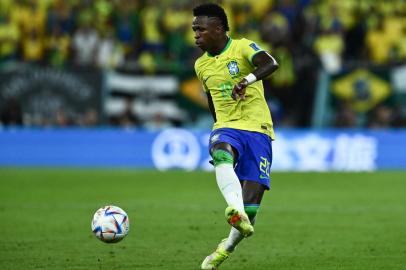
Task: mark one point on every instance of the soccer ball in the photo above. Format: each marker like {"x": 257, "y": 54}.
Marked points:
{"x": 110, "y": 224}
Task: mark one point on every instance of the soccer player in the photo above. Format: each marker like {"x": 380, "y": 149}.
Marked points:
{"x": 231, "y": 71}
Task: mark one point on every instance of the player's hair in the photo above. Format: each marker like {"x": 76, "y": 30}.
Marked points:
{"x": 212, "y": 10}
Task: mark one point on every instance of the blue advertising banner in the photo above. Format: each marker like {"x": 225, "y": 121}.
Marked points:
{"x": 293, "y": 150}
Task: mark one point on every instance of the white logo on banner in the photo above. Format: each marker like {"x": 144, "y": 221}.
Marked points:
{"x": 312, "y": 152}
{"x": 357, "y": 153}
{"x": 179, "y": 148}
{"x": 316, "y": 153}
{"x": 176, "y": 148}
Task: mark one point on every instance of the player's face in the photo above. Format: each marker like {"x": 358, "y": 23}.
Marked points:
{"x": 206, "y": 31}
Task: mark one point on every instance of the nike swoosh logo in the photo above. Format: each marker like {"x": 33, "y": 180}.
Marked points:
{"x": 263, "y": 177}
{"x": 205, "y": 80}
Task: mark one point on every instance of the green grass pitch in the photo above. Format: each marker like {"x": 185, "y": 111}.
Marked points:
{"x": 307, "y": 221}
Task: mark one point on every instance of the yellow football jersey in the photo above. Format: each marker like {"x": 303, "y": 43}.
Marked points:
{"x": 220, "y": 73}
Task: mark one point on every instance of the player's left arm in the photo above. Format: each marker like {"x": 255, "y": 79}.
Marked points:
{"x": 265, "y": 65}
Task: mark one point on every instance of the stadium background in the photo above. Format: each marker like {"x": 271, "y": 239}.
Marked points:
{"x": 129, "y": 64}
{"x": 87, "y": 86}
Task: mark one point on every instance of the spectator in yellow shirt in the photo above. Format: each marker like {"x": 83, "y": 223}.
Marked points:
{"x": 9, "y": 38}
{"x": 32, "y": 47}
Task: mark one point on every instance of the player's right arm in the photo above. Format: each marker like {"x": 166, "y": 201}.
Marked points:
{"x": 265, "y": 65}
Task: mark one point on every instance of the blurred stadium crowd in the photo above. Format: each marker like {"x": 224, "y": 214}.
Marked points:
{"x": 155, "y": 37}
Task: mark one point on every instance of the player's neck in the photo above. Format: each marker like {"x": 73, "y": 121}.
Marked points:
{"x": 220, "y": 48}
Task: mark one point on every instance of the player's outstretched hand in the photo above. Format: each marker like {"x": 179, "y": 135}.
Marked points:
{"x": 239, "y": 90}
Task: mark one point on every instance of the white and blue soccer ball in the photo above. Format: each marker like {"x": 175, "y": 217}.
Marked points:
{"x": 110, "y": 224}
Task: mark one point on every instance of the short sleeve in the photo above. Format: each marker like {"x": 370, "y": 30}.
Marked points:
{"x": 249, "y": 49}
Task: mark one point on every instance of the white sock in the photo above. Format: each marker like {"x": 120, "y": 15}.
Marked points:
{"x": 233, "y": 239}
{"x": 229, "y": 185}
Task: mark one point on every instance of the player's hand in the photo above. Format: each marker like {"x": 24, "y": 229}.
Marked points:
{"x": 239, "y": 90}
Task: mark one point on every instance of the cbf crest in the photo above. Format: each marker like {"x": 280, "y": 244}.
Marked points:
{"x": 233, "y": 68}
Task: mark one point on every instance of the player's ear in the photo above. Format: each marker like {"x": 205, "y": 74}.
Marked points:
{"x": 219, "y": 28}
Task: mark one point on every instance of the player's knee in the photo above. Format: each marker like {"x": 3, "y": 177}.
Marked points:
{"x": 251, "y": 211}
{"x": 222, "y": 157}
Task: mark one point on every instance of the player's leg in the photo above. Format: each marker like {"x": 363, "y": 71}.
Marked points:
{"x": 224, "y": 157}
{"x": 214, "y": 260}
{"x": 255, "y": 169}
{"x": 252, "y": 194}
